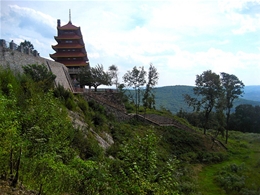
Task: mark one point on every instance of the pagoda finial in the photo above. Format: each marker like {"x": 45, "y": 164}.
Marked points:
{"x": 69, "y": 16}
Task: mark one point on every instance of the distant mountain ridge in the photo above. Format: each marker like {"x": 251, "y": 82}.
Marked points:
{"x": 252, "y": 92}
{"x": 171, "y": 97}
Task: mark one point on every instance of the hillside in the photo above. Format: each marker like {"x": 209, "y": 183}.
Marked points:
{"x": 171, "y": 97}
{"x": 252, "y": 93}
{"x": 56, "y": 143}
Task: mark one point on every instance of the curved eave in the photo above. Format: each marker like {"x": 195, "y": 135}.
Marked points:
{"x": 75, "y": 63}
{"x": 68, "y": 26}
{"x": 67, "y": 46}
{"x": 62, "y": 37}
{"x": 68, "y": 55}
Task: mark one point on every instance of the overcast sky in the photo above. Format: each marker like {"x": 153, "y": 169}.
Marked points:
{"x": 182, "y": 38}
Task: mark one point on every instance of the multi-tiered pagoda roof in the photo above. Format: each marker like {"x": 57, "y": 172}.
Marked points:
{"x": 70, "y": 49}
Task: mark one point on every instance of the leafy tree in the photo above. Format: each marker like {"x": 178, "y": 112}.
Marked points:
{"x": 26, "y": 45}
{"x": 246, "y": 118}
{"x": 41, "y": 75}
{"x": 94, "y": 76}
{"x": 233, "y": 88}
{"x": 135, "y": 79}
{"x": 99, "y": 76}
{"x": 122, "y": 93}
{"x": 149, "y": 99}
{"x": 85, "y": 77}
{"x": 9, "y": 139}
{"x": 208, "y": 90}
{"x": 113, "y": 72}
{"x": 139, "y": 171}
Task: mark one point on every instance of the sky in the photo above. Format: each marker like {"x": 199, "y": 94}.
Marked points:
{"x": 181, "y": 38}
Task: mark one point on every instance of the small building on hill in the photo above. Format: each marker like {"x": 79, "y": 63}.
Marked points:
{"x": 70, "y": 49}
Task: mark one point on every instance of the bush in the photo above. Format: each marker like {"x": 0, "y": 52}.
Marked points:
{"x": 83, "y": 105}
{"x": 40, "y": 75}
{"x": 62, "y": 93}
{"x": 96, "y": 107}
{"x": 231, "y": 177}
{"x": 86, "y": 144}
{"x": 70, "y": 104}
{"x": 98, "y": 120}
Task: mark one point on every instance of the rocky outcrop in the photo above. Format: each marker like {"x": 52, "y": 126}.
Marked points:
{"x": 104, "y": 139}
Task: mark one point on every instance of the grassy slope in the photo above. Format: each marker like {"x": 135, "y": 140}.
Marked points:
{"x": 243, "y": 148}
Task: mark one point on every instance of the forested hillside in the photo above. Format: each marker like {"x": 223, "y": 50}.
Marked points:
{"x": 252, "y": 93}
{"x": 171, "y": 97}
{"x": 50, "y": 144}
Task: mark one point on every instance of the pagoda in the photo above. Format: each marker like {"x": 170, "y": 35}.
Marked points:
{"x": 70, "y": 49}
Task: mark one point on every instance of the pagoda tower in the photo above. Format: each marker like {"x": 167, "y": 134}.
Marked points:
{"x": 70, "y": 49}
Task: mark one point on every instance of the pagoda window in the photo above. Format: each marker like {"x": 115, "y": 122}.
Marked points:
{"x": 68, "y": 32}
{"x": 68, "y": 41}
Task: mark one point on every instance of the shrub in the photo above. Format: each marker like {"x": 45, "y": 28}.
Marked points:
{"x": 70, "y": 104}
{"x": 96, "y": 107}
{"x": 231, "y": 177}
{"x": 98, "y": 119}
{"x": 83, "y": 105}
{"x": 41, "y": 75}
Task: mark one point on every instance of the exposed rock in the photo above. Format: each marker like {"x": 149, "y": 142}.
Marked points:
{"x": 105, "y": 140}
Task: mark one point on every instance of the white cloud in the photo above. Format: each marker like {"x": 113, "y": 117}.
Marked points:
{"x": 181, "y": 38}
{"x": 243, "y": 13}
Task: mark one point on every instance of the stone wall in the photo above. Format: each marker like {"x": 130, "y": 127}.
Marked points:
{"x": 14, "y": 59}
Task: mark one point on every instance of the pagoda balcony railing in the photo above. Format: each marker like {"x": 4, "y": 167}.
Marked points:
{"x": 74, "y": 70}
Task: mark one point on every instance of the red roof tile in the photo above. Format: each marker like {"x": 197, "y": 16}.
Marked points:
{"x": 74, "y": 63}
{"x": 67, "y": 45}
{"x": 68, "y": 54}
{"x": 68, "y": 26}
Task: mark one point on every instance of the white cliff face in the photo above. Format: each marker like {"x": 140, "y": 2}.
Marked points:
{"x": 104, "y": 139}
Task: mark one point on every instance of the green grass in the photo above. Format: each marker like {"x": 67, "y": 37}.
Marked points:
{"x": 244, "y": 148}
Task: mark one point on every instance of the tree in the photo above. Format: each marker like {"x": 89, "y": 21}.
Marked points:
{"x": 153, "y": 76}
{"x": 135, "y": 79}
{"x": 26, "y": 45}
{"x": 208, "y": 90}
{"x": 113, "y": 72}
{"x": 233, "y": 88}
{"x": 94, "y": 76}
{"x": 85, "y": 77}
{"x": 246, "y": 118}
{"x": 99, "y": 76}
{"x": 41, "y": 75}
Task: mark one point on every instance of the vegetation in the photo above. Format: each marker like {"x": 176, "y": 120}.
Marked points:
{"x": 113, "y": 72}
{"x": 40, "y": 75}
{"x": 50, "y": 144}
{"x": 94, "y": 77}
{"x": 27, "y": 45}
{"x": 246, "y": 118}
{"x": 208, "y": 88}
{"x": 233, "y": 88}
{"x": 136, "y": 80}
{"x": 171, "y": 97}
{"x": 148, "y": 98}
